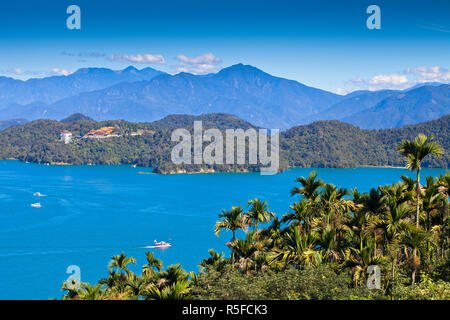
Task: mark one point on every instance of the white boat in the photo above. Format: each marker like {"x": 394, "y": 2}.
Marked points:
{"x": 38, "y": 194}
{"x": 161, "y": 244}
{"x": 36, "y": 205}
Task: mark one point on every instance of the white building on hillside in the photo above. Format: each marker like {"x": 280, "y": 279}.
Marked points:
{"x": 66, "y": 136}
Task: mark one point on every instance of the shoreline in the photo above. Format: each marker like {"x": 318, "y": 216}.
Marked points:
{"x": 207, "y": 171}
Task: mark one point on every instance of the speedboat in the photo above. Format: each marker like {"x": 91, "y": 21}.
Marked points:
{"x": 161, "y": 244}
{"x": 38, "y": 194}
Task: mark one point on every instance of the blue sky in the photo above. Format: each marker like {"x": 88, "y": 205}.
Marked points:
{"x": 324, "y": 44}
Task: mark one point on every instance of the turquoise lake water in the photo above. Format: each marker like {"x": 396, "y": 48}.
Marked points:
{"x": 93, "y": 212}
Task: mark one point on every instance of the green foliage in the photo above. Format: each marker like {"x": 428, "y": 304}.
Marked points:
{"x": 334, "y": 144}
{"x": 427, "y": 289}
{"x": 323, "y": 249}
{"x": 321, "y": 144}
{"x": 291, "y": 284}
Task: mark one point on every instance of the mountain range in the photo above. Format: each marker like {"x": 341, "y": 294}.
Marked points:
{"x": 242, "y": 90}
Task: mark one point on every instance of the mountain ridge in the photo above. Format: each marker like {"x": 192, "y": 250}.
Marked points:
{"x": 243, "y": 90}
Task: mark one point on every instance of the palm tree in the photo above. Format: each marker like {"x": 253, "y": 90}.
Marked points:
{"x": 214, "y": 261}
{"x": 328, "y": 244}
{"x": 172, "y": 274}
{"x": 434, "y": 205}
{"x": 246, "y": 249}
{"x": 178, "y": 290}
{"x": 301, "y": 213}
{"x": 311, "y": 186}
{"x": 396, "y": 193}
{"x": 273, "y": 233}
{"x": 152, "y": 265}
{"x": 414, "y": 238}
{"x": 333, "y": 204}
{"x": 259, "y": 212}
{"x": 232, "y": 220}
{"x": 432, "y": 201}
{"x": 373, "y": 208}
{"x": 136, "y": 285}
{"x": 299, "y": 249}
{"x": 359, "y": 259}
{"x": 408, "y": 182}
{"x": 121, "y": 262}
{"x": 89, "y": 292}
{"x": 444, "y": 183}
{"x": 395, "y": 223}
{"x": 414, "y": 152}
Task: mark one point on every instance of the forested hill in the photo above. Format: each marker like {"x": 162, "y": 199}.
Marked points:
{"x": 336, "y": 144}
{"x": 320, "y": 144}
{"x": 220, "y": 121}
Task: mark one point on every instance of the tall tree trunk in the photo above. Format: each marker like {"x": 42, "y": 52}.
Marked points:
{"x": 232, "y": 251}
{"x": 393, "y": 270}
{"x": 417, "y": 223}
{"x": 418, "y": 196}
{"x": 375, "y": 243}
{"x": 413, "y": 276}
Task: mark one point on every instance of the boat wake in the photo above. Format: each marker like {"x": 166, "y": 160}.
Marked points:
{"x": 155, "y": 247}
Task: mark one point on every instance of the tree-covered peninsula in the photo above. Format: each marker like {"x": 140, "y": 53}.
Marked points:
{"x": 320, "y": 144}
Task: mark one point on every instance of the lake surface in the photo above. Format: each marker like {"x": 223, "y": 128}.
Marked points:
{"x": 93, "y": 212}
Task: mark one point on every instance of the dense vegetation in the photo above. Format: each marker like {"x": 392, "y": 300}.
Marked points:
{"x": 324, "y": 248}
{"x": 334, "y": 144}
{"x": 320, "y": 144}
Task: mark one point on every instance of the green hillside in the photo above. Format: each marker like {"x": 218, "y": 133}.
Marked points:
{"x": 320, "y": 144}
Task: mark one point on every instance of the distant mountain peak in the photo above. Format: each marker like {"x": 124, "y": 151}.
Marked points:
{"x": 241, "y": 67}
{"x": 425, "y": 84}
{"x": 77, "y": 117}
{"x": 130, "y": 69}
{"x": 90, "y": 70}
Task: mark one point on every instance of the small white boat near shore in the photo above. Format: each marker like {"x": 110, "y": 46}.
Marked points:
{"x": 36, "y": 205}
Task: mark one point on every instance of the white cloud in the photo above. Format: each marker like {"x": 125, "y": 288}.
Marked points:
{"x": 83, "y": 54}
{"x": 341, "y": 91}
{"x": 59, "y": 72}
{"x": 405, "y": 79}
{"x": 16, "y": 71}
{"x": 21, "y": 73}
{"x": 139, "y": 58}
{"x": 391, "y": 79}
{"x": 427, "y": 74}
{"x": 201, "y": 64}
